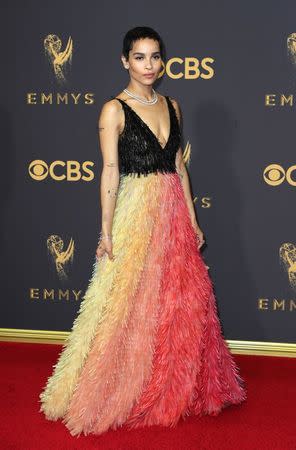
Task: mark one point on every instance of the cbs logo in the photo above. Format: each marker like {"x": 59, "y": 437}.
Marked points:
{"x": 188, "y": 68}
{"x": 39, "y": 170}
{"x": 274, "y": 175}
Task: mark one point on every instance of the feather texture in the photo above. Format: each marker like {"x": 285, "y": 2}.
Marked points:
{"x": 146, "y": 347}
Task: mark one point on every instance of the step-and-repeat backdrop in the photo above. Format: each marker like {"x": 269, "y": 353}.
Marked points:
{"x": 232, "y": 68}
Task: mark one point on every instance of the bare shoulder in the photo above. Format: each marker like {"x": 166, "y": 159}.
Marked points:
{"x": 111, "y": 108}
{"x": 177, "y": 107}
{"x": 111, "y": 114}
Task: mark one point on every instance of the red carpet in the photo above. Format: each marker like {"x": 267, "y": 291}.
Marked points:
{"x": 265, "y": 421}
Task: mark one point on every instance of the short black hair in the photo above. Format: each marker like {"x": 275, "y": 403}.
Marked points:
{"x": 140, "y": 33}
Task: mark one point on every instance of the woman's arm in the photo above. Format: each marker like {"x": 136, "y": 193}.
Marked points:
{"x": 183, "y": 173}
{"x": 108, "y": 126}
{"x": 184, "y": 177}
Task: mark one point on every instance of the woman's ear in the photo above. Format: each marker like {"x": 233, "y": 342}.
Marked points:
{"x": 124, "y": 62}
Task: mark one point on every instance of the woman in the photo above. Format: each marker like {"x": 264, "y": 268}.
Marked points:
{"x": 146, "y": 347}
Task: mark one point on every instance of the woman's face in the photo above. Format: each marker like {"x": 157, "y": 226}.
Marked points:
{"x": 144, "y": 59}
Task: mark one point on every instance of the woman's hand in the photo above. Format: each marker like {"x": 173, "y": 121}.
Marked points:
{"x": 199, "y": 233}
{"x": 200, "y": 236}
{"x": 105, "y": 246}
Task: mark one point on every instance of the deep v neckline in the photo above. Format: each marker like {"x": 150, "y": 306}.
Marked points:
{"x": 147, "y": 126}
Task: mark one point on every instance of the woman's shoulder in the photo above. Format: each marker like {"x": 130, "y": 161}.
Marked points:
{"x": 174, "y": 100}
{"x": 114, "y": 103}
{"x": 111, "y": 111}
{"x": 176, "y": 105}
{"x": 111, "y": 106}
{"x": 123, "y": 96}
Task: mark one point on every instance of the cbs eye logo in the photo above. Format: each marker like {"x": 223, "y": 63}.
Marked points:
{"x": 274, "y": 175}
{"x": 39, "y": 170}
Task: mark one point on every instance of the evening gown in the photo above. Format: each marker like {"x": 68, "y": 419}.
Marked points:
{"x": 146, "y": 347}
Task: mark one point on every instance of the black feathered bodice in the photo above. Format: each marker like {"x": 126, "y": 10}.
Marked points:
{"x": 139, "y": 150}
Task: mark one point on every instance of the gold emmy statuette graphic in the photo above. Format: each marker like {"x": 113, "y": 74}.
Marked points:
{"x": 287, "y": 254}
{"x": 291, "y": 47}
{"x": 58, "y": 58}
{"x": 61, "y": 258}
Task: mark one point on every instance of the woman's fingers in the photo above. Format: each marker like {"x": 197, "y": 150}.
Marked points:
{"x": 201, "y": 243}
{"x": 109, "y": 250}
{"x": 105, "y": 248}
{"x": 111, "y": 256}
{"x": 100, "y": 251}
{"x": 201, "y": 240}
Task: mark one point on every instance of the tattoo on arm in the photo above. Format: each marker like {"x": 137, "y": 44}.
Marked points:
{"x": 112, "y": 192}
{"x": 180, "y": 173}
{"x": 110, "y": 164}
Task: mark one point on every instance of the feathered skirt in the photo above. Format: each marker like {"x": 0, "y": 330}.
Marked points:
{"x": 146, "y": 347}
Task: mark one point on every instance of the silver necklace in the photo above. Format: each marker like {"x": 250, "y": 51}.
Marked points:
{"x": 141, "y": 100}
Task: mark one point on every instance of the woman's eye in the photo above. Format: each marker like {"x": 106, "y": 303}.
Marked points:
{"x": 141, "y": 57}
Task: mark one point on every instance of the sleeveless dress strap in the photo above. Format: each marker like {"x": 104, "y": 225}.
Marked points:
{"x": 119, "y": 99}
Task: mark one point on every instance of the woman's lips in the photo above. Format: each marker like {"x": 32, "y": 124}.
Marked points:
{"x": 149, "y": 75}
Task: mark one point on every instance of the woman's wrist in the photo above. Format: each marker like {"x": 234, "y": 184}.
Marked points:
{"x": 105, "y": 235}
{"x": 106, "y": 229}
{"x": 195, "y": 225}
{"x": 193, "y": 219}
